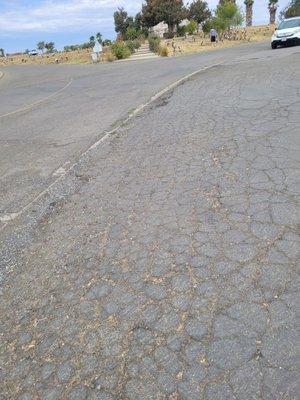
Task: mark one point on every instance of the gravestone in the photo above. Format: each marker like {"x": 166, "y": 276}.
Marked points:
{"x": 97, "y": 50}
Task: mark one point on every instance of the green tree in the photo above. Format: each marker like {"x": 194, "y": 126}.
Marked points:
{"x": 86, "y": 45}
{"x": 155, "y": 11}
{"x": 222, "y": 2}
{"x": 138, "y": 23}
{"x": 49, "y": 47}
{"x": 273, "y": 5}
{"x": 227, "y": 15}
{"x": 72, "y": 47}
{"x": 249, "y": 12}
{"x": 191, "y": 27}
{"x": 92, "y": 41}
{"x": 198, "y": 11}
{"x": 131, "y": 33}
{"x": 292, "y": 10}
{"x": 106, "y": 42}
{"x": 121, "y": 21}
{"x": 41, "y": 46}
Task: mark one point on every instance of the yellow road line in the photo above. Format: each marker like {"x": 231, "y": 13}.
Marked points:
{"x": 6, "y": 219}
{"x": 29, "y": 106}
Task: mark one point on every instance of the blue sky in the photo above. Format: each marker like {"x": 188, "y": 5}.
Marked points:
{"x": 25, "y": 22}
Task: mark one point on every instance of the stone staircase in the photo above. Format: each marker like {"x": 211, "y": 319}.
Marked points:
{"x": 143, "y": 53}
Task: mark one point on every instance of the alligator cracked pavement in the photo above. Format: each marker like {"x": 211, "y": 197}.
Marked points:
{"x": 171, "y": 272}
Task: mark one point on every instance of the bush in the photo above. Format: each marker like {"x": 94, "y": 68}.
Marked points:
{"x": 154, "y": 44}
{"x": 181, "y": 31}
{"x": 106, "y": 42}
{"x": 292, "y": 10}
{"x": 120, "y": 50}
{"x": 192, "y": 27}
{"x": 137, "y": 44}
{"x": 163, "y": 51}
{"x": 108, "y": 56}
{"x": 133, "y": 45}
{"x": 169, "y": 35}
{"x": 213, "y": 23}
{"x": 132, "y": 33}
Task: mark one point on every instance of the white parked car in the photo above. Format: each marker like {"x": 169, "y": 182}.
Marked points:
{"x": 288, "y": 32}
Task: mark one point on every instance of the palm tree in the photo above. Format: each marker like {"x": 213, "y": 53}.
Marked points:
{"x": 92, "y": 41}
{"x": 99, "y": 37}
{"x": 273, "y": 5}
{"x": 249, "y": 12}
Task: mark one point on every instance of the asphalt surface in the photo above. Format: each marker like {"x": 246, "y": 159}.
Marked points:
{"x": 165, "y": 264}
{"x": 37, "y": 140}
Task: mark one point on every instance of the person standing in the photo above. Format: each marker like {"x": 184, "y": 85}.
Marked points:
{"x": 213, "y": 36}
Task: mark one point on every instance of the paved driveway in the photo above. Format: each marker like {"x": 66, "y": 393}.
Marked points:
{"x": 169, "y": 271}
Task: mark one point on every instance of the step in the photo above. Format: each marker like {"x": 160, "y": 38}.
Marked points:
{"x": 143, "y": 57}
{"x": 143, "y": 52}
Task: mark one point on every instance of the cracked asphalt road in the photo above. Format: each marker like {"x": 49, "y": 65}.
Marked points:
{"x": 171, "y": 270}
{"x": 36, "y": 142}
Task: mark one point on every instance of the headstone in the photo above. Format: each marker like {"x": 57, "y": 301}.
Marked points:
{"x": 97, "y": 48}
{"x": 160, "y": 29}
{"x": 94, "y": 57}
{"x": 184, "y": 23}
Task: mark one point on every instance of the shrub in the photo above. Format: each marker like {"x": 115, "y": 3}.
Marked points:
{"x": 137, "y": 43}
{"x": 191, "y": 27}
{"x": 132, "y": 33}
{"x": 208, "y": 25}
{"x": 292, "y": 10}
{"x": 108, "y": 56}
{"x": 133, "y": 45}
{"x": 181, "y": 31}
{"x": 169, "y": 35}
{"x": 154, "y": 44}
{"x": 120, "y": 50}
{"x": 163, "y": 51}
{"x": 106, "y": 42}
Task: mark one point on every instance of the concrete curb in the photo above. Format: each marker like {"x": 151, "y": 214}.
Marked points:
{"x": 61, "y": 172}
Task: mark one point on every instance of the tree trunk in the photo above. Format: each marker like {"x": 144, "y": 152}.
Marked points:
{"x": 272, "y": 10}
{"x": 249, "y": 14}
